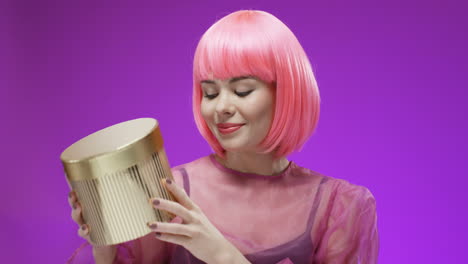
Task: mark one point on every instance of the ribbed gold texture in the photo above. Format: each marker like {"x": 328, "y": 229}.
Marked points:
{"x": 115, "y": 198}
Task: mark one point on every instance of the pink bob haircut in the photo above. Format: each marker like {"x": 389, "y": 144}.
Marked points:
{"x": 256, "y": 43}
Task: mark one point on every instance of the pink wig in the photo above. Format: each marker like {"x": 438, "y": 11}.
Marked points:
{"x": 256, "y": 43}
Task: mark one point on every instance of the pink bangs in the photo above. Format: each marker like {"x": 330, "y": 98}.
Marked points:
{"x": 258, "y": 44}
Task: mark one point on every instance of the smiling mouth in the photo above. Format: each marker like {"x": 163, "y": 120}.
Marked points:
{"x": 229, "y": 129}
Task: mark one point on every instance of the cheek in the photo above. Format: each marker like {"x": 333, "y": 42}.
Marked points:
{"x": 260, "y": 110}
{"x": 204, "y": 111}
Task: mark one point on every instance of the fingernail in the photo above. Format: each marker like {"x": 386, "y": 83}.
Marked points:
{"x": 83, "y": 227}
{"x": 168, "y": 181}
{"x": 74, "y": 206}
{"x": 153, "y": 226}
{"x": 69, "y": 194}
{"x": 156, "y": 202}
{"x": 158, "y": 234}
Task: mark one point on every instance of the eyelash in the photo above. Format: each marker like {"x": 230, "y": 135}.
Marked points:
{"x": 240, "y": 94}
{"x": 210, "y": 96}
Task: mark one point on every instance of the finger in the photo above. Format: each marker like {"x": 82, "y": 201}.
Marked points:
{"x": 83, "y": 232}
{"x": 172, "y": 228}
{"x": 174, "y": 208}
{"x": 180, "y": 195}
{"x": 175, "y": 239}
{"x": 71, "y": 198}
{"x": 77, "y": 215}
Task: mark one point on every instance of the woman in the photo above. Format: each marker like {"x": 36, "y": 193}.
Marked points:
{"x": 255, "y": 100}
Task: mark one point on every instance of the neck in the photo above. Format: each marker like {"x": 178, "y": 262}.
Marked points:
{"x": 257, "y": 163}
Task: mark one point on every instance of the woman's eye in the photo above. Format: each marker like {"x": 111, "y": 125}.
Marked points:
{"x": 243, "y": 94}
{"x": 211, "y": 96}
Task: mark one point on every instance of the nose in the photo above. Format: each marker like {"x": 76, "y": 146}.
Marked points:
{"x": 224, "y": 105}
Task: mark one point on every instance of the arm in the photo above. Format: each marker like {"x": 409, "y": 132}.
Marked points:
{"x": 146, "y": 249}
{"x": 351, "y": 234}
{"x": 231, "y": 255}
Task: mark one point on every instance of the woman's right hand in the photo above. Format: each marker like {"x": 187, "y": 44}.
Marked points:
{"x": 102, "y": 254}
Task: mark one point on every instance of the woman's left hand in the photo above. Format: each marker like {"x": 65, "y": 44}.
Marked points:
{"x": 196, "y": 233}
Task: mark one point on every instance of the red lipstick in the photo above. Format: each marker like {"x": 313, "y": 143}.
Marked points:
{"x": 227, "y": 128}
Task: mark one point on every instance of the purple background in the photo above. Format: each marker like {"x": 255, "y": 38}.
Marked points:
{"x": 392, "y": 78}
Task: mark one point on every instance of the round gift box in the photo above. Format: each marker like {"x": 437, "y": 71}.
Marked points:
{"x": 114, "y": 173}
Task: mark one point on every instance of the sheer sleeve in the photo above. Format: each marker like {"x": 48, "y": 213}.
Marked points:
{"x": 147, "y": 249}
{"x": 351, "y": 234}
{"x": 143, "y": 250}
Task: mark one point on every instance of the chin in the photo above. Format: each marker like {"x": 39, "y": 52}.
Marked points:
{"x": 239, "y": 148}
{"x": 233, "y": 147}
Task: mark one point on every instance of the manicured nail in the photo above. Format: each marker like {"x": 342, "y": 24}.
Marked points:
{"x": 83, "y": 227}
{"x": 153, "y": 226}
{"x": 158, "y": 234}
{"x": 156, "y": 202}
{"x": 168, "y": 181}
{"x": 74, "y": 206}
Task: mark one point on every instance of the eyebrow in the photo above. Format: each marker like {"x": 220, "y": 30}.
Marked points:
{"x": 232, "y": 80}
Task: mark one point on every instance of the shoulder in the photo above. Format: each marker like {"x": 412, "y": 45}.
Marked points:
{"x": 347, "y": 196}
{"x": 336, "y": 188}
{"x": 351, "y": 190}
{"x": 189, "y": 167}
{"x": 180, "y": 172}
{"x": 340, "y": 191}
{"x": 200, "y": 162}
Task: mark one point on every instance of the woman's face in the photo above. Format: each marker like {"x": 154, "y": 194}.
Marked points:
{"x": 238, "y": 111}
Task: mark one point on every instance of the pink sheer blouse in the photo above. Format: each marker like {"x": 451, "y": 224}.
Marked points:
{"x": 298, "y": 216}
